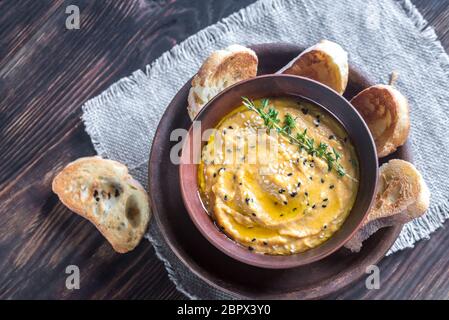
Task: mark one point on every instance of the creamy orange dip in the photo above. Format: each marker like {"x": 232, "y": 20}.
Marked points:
{"x": 284, "y": 204}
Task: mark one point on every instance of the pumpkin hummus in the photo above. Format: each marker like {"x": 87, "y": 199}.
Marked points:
{"x": 277, "y": 198}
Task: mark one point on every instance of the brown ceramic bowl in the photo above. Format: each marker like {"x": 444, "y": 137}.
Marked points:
{"x": 282, "y": 86}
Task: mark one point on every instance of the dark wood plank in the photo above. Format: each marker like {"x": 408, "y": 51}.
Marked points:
{"x": 46, "y": 73}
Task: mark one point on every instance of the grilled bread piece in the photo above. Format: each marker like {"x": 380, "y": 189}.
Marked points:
{"x": 220, "y": 70}
{"x": 325, "y": 62}
{"x": 103, "y": 192}
{"x": 402, "y": 196}
{"x": 386, "y": 112}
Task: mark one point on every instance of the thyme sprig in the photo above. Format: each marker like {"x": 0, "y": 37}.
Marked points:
{"x": 305, "y": 142}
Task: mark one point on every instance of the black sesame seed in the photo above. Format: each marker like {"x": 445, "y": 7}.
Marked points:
{"x": 331, "y": 137}
{"x": 331, "y": 186}
{"x": 294, "y": 209}
{"x": 224, "y": 131}
{"x": 240, "y": 183}
{"x": 95, "y": 193}
{"x": 299, "y": 184}
{"x": 293, "y": 194}
{"x": 290, "y": 174}
{"x": 98, "y": 199}
{"x": 345, "y": 139}
{"x": 322, "y": 180}
{"x": 215, "y": 174}
{"x": 325, "y": 199}
{"x": 117, "y": 193}
{"x": 254, "y": 215}
{"x": 311, "y": 178}
{"x": 281, "y": 190}
{"x": 265, "y": 243}
{"x": 230, "y": 127}
{"x": 325, "y": 226}
{"x": 281, "y": 215}
{"x": 254, "y": 239}
{"x": 306, "y": 194}
{"x": 285, "y": 202}
{"x": 324, "y": 205}
{"x": 305, "y": 110}
{"x": 314, "y": 206}
{"x": 225, "y": 197}
{"x": 247, "y": 200}
{"x": 312, "y": 165}
{"x": 250, "y": 248}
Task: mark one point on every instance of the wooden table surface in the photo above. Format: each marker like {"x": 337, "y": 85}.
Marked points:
{"x": 46, "y": 73}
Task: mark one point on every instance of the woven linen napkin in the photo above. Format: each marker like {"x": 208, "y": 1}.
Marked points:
{"x": 380, "y": 36}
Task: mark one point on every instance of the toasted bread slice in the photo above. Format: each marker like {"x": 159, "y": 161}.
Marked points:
{"x": 401, "y": 189}
{"x": 103, "y": 192}
{"x": 386, "y": 112}
{"x": 402, "y": 196}
{"x": 220, "y": 70}
{"x": 325, "y": 62}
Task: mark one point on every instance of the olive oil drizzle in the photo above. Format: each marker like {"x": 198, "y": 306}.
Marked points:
{"x": 321, "y": 150}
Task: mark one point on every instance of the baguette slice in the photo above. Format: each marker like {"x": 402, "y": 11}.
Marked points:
{"x": 402, "y": 196}
{"x": 386, "y": 112}
{"x": 220, "y": 70}
{"x": 103, "y": 192}
{"x": 325, "y": 62}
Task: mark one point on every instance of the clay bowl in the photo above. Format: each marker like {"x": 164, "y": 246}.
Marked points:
{"x": 282, "y": 86}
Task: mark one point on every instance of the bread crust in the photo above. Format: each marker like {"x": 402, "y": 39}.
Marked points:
{"x": 220, "y": 70}
{"x": 103, "y": 192}
{"x": 386, "y": 112}
{"x": 325, "y": 62}
{"x": 402, "y": 195}
{"x": 401, "y": 190}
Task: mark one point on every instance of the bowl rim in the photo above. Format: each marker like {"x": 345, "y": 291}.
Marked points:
{"x": 257, "y": 259}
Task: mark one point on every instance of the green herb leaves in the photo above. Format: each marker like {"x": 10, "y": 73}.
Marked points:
{"x": 270, "y": 116}
{"x": 289, "y": 123}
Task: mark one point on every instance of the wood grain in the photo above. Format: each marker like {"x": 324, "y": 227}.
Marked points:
{"x": 46, "y": 73}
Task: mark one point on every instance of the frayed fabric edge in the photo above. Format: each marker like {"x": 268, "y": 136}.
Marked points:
{"x": 422, "y": 227}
